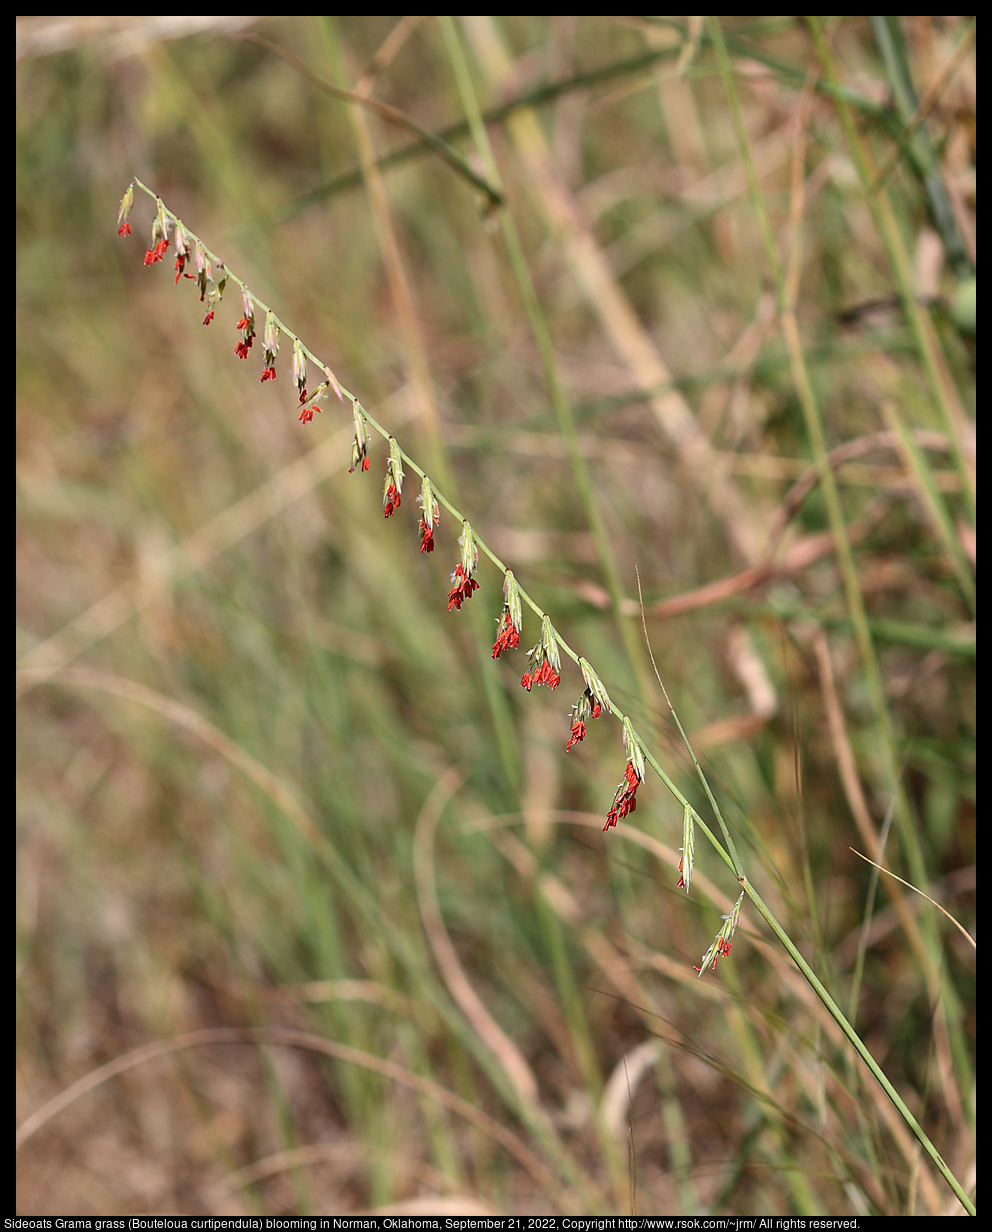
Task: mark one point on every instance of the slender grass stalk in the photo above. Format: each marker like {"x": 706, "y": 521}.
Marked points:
{"x": 741, "y": 44}
{"x": 879, "y": 202}
{"x": 605, "y": 556}
{"x": 403, "y": 296}
{"x": 940, "y": 517}
{"x": 926, "y": 943}
{"x": 925, "y": 940}
{"x": 391, "y": 115}
{"x": 852, "y": 587}
{"x": 857, "y": 1043}
{"x": 212, "y": 277}
{"x": 293, "y": 1039}
{"x": 344, "y": 879}
{"x": 915, "y": 139}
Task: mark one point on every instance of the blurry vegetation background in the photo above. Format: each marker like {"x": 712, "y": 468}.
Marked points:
{"x": 270, "y": 788}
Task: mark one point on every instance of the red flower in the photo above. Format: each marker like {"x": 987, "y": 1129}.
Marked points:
{"x": 270, "y": 346}
{"x": 463, "y": 588}
{"x": 545, "y": 674}
{"x": 247, "y": 325}
{"x": 625, "y": 800}
{"x": 544, "y": 665}
{"x": 391, "y": 501}
{"x": 307, "y": 413}
{"x": 587, "y": 707}
{"x": 209, "y": 317}
{"x": 181, "y": 241}
{"x": 359, "y": 446}
{"x": 300, "y": 369}
{"x": 464, "y": 582}
{"x": 722, "y": 950}
{"x": 507, "y": 635}
{"x": 123, "y": 226}
{"x": 430, "y": 515}
{"x": 210, "y": 290}
{"x": 722, "y": 942}
{"x": 157, "y": 253}
{"x": 392, "y": 484}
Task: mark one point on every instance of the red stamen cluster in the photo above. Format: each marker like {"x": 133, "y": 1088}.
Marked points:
{"x": 123, "y": 226}
{"x": 722, "y": 941}
{"x": 306, "y": 415}
{"x": 625, "y": 801}
{"x": 247, "y": 326}
{"x": 543, "y": 663}
{"x": 545, "y": 674}
{"x": 392, "y": 483}
{"x": 465, "y": 584}
{"x": 430, "y": 516}
{"x": 391, "y": 501}
{"x": 270, "y": 346}
{"x": 157, "y": 253}
{"x": 722, "y": 950}
{"x": 587, "y": 707}
{"x": 507, "y": 635}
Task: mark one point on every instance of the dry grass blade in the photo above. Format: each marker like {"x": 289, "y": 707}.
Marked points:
{"x": 510, "y": 1058}
{"x": 290, "y": 1039}
{"x": 943, "y": 910}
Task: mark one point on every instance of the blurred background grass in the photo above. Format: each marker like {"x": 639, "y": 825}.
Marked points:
{"x": 267, "y": 783}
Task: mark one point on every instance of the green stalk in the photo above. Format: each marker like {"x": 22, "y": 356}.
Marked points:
{"x": 852, "y": 1035}
{"x": 925, "y": 941}
{"x": 879, "y": 202}
{"x": 831, "y": 495}
{"x": 542, "y": 335}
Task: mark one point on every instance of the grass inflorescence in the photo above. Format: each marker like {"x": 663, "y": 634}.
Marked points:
{"x": 315, "y": 913}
